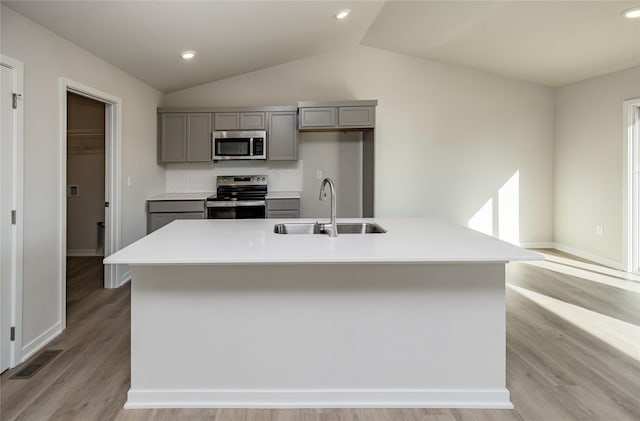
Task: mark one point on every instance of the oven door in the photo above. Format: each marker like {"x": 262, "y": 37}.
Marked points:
{"x": 236, "y": 209}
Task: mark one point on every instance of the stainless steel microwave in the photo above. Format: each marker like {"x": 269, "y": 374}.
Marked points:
{"x": 239, "y": 145}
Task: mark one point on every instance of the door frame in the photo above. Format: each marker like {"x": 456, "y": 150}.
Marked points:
{"x": 18, "y": 204}
{"x": 112, "y": 220}
{"x": 631, "y": 186}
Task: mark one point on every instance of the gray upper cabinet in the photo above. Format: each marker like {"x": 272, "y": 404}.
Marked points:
{"x": 227, "y": 121}
{"x": 337, "y": 114}
{"x": 172, "y": 137}
{"x": 240, "y": 121}
{"x": 198, "y": 137}
{"x": 252, "y": 121}
{"x": 282, "y": 138}
{"x": 184, "y": 137}
{"x": 319, "y": 117}
{"x": 356, "y": 116}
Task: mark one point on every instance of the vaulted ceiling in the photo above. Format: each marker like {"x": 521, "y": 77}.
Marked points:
{"x": 547, "y": 42}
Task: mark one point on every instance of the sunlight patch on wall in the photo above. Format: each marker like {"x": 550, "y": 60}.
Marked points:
{"x": 509, "y": 210}
{"x": 500, "y": 215}
{"x": 483, "y": 219}
{"x": 619, "y": 334}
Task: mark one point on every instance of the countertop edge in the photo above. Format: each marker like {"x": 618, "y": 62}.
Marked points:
{"x": 195, "y": 262}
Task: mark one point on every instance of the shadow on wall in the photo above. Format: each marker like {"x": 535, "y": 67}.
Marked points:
{"x": 500, "y": 215}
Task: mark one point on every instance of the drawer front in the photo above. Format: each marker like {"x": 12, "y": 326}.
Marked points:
{"x": 176, "y": 206}
{"x": 283, "y": 214}
{"x": 283, "y": 204}
{"x": 191, "y": 215}
{"x": 356, "y": 117}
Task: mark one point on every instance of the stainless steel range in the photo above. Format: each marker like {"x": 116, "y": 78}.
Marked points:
{"x": 238, "y": 197}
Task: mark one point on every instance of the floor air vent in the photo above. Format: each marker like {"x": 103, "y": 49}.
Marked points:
{"x": 38, "y": 362}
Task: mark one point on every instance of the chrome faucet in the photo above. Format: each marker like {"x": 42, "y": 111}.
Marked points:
{"x": 323, "y": 196}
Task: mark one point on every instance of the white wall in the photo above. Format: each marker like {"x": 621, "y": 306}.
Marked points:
{"x": 447, "y": 138}
{"x": 588, "y": 166}
{"x": 48, "y": 57}
{"x": 337, "y": 155}
{"x": 201, "y": 176}
{"x": 84, "y": 211}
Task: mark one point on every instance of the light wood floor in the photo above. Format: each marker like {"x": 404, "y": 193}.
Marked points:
{"x": 557, "y": 369}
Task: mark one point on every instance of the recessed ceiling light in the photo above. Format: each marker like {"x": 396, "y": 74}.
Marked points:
{"x": 342, "y": 14}
{"x": 188, "y": 55}
{"x": 632, "y": 13}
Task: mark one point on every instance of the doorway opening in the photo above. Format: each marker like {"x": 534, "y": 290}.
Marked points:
{"x": 85, "y": 196}
{"x": 78, "y": 138}
{"x": 631, "y": 223}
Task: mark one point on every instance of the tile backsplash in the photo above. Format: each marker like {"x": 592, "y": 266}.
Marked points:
{"x": 201, "y": 177}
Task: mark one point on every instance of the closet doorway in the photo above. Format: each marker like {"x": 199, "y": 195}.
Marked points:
{"x": 85, "y": 197}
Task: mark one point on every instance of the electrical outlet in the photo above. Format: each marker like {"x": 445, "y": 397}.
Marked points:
{"x": 600, "y": 231}
{"x": 319, "y": 174}
{"x": 129, "y": 182}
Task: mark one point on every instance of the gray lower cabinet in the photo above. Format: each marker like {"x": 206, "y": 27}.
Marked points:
{"x": 282, "y": 137}
{"x": 159, "y": 220}
{"x": 283, "y": 208}
{"x": 246, "y": 120}
{"x": 161, "y": 212}
{"x": 184, "y": 137}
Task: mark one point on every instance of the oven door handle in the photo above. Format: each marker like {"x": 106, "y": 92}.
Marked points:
{"x": 235, "y": 203}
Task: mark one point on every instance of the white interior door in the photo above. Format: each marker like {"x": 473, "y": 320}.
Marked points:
{"x": 7, "y": 269}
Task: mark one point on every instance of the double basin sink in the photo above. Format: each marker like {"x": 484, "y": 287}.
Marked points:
{"x": 318, "y": 228}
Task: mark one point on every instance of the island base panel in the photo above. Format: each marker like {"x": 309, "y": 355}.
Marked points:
{"x": 318, "y": 335}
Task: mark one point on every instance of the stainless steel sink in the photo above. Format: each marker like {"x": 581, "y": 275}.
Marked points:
{"x": 299, "y": 228}
{"x": 360, "y": 228}
{"x": 317, "y": 228}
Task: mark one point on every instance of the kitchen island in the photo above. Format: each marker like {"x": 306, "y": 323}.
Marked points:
{"x": 227, "y": 313}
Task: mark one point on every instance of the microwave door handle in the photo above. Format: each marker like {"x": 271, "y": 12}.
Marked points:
{"x": 251, "y": 146}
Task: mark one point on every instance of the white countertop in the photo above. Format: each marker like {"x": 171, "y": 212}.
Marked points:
{"x": 283, "y": 195}
{"x": 246, "y": 241}
{"x": 181, "y": 196}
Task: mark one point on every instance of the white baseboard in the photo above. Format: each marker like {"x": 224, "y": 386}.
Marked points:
{"x": 40, "y": 342}
{"x": 576, "y": 252}
{"x": 83, "y": 252}
{"x": 332, "y": 398}
{"x": 589, "y": 256}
